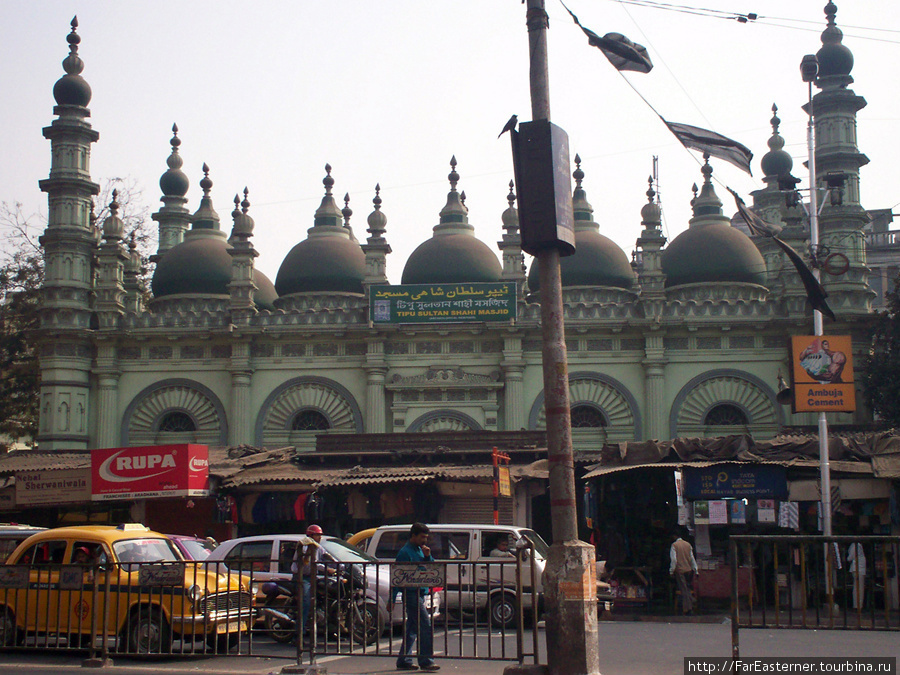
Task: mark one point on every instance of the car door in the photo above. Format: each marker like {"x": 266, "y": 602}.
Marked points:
{"x": 494, "y": 572}
{"x": 39, "y": 606}
{"x": 257, "y": 558}
{"x": 77, "y": 598}
{"x": 454, "y": 547}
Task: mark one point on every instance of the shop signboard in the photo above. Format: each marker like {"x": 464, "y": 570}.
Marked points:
{"x": 53, "y": 486}
{"x": 822, "y": 373}
{"x": 442, "y": 303}
{"x": 722, "y": 481}
{"x": 150, "y": 471}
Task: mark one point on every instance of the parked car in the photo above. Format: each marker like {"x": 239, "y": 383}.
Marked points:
{"x": 269, "y": 557}
{"x": 13, "y": 534}
{"x": 55, "y": 583}
{"x": 193, "y": 548}
{"x": 476, "y": 581}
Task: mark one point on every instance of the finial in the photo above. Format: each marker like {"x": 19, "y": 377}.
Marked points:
{"x": 245, "y": 204}
{"x": 205, "y": 182}
{"x": 328, "y": 181}
{"x": 72, "y": 64}
{"x": 175, "y": 142}
{"x": 346, "y": 211}
{"x": 237, "y": 208}
{"x": 706, "y": 169}
{"x": 830, "y": 11}
{"x": 114, "y": 205}
{"x": 578, "y": 174}
{"x": 453, "y": 177}
{"x": 376, "y": 200}
{"x": 775, "y": 119}
{"x": 511, "y": 197}
{"x": 651, "y": 193}
{"x": 462, "y": 199}
{"x": 694, "y": 189}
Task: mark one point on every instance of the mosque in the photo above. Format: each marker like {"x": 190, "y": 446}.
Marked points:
{"x": 687, "y": 338}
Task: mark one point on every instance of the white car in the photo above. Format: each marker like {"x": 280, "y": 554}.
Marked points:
{"x": 268, "y": 557}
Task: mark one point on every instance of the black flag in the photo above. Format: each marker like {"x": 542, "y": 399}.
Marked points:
{"x": 715, "y": 144}
{"x": 761, "y": 228}
{"x": 621, "y": 52}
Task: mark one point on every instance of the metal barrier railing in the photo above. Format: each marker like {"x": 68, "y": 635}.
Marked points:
{"x": 126, "y": 608}
{"x": 813, "y": 581}
{"x": 477, "y": 610}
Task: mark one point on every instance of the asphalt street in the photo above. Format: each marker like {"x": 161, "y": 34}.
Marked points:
{"x": 626, "y": 648}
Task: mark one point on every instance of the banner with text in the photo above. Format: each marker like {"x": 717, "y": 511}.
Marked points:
{"x": 150, "y": 471}
{"x": 438, "y": 303}
{"x": 53, "y": 486}
{"x": 822, "y": 373}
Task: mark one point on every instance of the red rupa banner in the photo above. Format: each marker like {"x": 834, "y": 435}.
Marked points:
{"x": 150, "y": 471}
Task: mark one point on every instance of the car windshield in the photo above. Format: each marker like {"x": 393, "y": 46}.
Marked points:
{"x": 145, "y": 550}
{"x": 196, "y": 549}
{"x": 540, "y": 546}
{"x": 341, "y": 551}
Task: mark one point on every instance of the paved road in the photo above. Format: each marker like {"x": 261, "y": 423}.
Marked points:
{"x": 626, "y": 648}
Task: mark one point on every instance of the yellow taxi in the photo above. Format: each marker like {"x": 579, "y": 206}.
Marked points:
{"x": 123, "y": 582}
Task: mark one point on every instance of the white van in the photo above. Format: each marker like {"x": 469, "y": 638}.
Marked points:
{"x": 475, "y": 580}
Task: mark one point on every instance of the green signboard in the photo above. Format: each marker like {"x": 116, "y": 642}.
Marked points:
{"x": 439, "y": 303}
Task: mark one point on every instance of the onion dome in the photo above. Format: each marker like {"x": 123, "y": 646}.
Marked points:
{"x": 453, "y": 254}
{"x": 598, "y": 260}
{"x": 243, "y": 223}
{"x": 776, "y": 163}
{"x": 174, "y": 182}
{"x": 71, "y": 88}
{"x": 651, "y": 213}
{"x": 113, "y": 227}
{"x": 201, "y": 265}
{"x": 377, "y": 221}
{"x": 329, "y": 260}
{"x": 835, "y": 60}
{"x": 710, "y": 250}
{"x": 510, "y": 217}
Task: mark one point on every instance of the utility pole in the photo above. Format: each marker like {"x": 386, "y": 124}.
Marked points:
{"x": 570, "y": 580}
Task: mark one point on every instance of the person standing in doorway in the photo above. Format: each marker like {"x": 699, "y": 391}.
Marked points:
{"x": 683, "y": 566}
{"x": 418, "y": 620}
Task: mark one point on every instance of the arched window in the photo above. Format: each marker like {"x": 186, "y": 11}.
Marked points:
{"x": 177, "y": 422}
{"x": 587, "y": 417}
{"x": 310, "y": 420}
{"x": 726, "y": 415}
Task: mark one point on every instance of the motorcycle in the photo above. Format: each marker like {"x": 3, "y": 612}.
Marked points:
{"x": 343, "y": 608}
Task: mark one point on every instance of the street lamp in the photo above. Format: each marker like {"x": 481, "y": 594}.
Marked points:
{"x": 809, "y": 69}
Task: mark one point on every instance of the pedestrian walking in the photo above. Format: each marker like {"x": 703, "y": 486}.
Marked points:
{"x": 683, "y": 566}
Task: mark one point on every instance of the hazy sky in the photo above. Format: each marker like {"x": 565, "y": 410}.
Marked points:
{"x": 386, "y": 91}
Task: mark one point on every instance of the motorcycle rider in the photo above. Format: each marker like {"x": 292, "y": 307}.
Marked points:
{"x": 308, "y": 561}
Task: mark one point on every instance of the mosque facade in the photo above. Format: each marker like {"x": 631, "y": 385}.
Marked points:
{"x": 686, "y": 339}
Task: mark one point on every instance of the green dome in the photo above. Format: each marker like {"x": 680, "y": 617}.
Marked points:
{"x": 453, "y": 254}
{"x": 711, "y": 250}
{"x": 834, "y": 58}
{"x": 322, "y": 264}
{"x": 450, "y": 259}
{"x": 201, "y": 265}
{"x": 715, "y": 252}
{"x": 597, "y": 261}
{"x": 71, "y": 88}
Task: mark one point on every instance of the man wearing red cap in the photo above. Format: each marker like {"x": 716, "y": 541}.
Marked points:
{"x": 304, "y": 559}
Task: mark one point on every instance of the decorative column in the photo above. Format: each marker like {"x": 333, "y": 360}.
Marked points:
{"x": 108, "y": 408}
{"x": 655, "y": 404}
{"x": 240, "y": 429}
{"x": 242, "y": 253}
{"x": 513, "y": 366}
{"x": 69, "y": 244}
{"x": 651, "y": 278}
{"x": 376, "y": 372}
{"x": 511, "y": 246}
{"x": 376, "y": 247}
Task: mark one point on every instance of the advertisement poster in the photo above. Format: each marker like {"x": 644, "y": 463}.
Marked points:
{"x": 765, "y": 510}
{"x": 442, "y": 303}
{"x": 701, "y": 513}
{"x": 718, "y": 512}
{"x": 738, "y": 512}
{"x": 822, "y": 373}
{"x": 722, "y": 481}
{"x": 150, "y": 471}
{"x": 60, "y": 486}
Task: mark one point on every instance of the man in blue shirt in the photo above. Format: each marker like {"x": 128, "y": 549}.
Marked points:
{"x": 418, "y": 621}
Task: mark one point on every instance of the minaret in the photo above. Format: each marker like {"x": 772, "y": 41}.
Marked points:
{"x": 242, "y": 253}
{"x": 376, "y": 247}
{"x": 173, "y": 218}
{"x": 651, "y": 279}
{"x": 511, "y": 246}
{"x": 134, "y": 290}
{"x": 69, "y": 243}
{"x": 110, "y": 284}
{"x": 838, "y": 161}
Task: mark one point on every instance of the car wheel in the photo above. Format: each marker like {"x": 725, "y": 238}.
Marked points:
{"x": 148, "y": 633}
{"x": 503, "y": 611}
{"x": 9, "y": 632}
{"x": 222, "y": 644}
